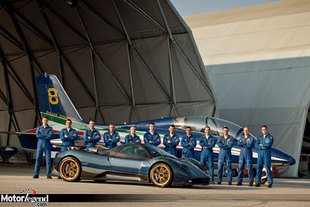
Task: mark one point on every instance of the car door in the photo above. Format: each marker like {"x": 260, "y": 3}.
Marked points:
{"x": 95, "y": 164}
{"x": 131, "y": 160}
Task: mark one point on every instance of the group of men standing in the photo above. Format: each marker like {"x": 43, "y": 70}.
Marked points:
{"x": 171, "y": 140}
{"x": 246, "y": 142}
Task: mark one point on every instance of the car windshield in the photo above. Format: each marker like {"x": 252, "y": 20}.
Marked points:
{"x": 156, "y": 152}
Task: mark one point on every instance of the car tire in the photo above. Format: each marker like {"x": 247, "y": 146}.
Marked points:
{"x": 161, "y": 175}
{"x": 70, "y": 169}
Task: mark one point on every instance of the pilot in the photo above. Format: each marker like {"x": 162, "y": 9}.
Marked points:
{"x": 111, "y": 138}
{"x": 44, "y": 134}
{"x": 171, "y": 141}
{"x": 132, "y": 137}
{"x": 67, "y": 136}
{"x": 188, "y": 143}
{"x": 246, "y": 142}
{"x": 264, "y": 143}
{"x": 225, "y": 143}
{"x": 91, "y": 135}
{"x": 207, "y": 142}
{"x": 152, "y": 137}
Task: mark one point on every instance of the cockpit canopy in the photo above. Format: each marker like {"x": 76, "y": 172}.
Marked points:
{"x": 198, "y": 124}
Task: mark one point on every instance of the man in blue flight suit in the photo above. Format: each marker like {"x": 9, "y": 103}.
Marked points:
{"x": 91, "y": 135}
{"x": 188, "y": 143}
{"x": 111, "y": 138}
{"x": 264, "y": 143}
{"x": 207, "y": 142}
{"x": 246, "y": 142}
{"x": 152, "y": 137}
{"x": 225, "y": 143}
{"x": 67, "y": 136}
{"x": 171, "y": 141}
{"x": 132, "y": 137}
{"x": 44, "y": 134}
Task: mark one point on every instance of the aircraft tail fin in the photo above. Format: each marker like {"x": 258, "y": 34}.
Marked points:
{"x": 54, "y": 100}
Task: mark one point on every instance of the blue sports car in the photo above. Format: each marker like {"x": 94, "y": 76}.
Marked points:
{"x": 130, "y": 162}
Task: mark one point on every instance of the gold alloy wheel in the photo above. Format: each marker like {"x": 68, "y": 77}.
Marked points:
{"x": 69, "y": 169}
{"x": 161, "y": 175}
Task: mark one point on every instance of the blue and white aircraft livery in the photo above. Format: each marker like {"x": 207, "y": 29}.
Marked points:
{"x": 55, "y": 104}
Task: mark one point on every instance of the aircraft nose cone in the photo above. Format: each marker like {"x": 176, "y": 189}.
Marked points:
{"x": 285, "y": 158}
{"x": 291, "y": 160}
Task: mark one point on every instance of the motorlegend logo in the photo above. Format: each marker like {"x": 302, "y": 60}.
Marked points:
{"x": 26, "y": 196}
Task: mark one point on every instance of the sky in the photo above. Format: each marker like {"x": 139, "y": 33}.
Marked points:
{"x": 190, "y": 7}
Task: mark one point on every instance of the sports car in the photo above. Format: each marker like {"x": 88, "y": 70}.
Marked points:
{"x": 129, "y": 162}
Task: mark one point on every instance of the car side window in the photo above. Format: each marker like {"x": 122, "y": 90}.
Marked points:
{"x": 136, "y": 151}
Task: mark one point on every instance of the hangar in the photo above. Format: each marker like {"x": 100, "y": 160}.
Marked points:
{"x": 258, "y": 62}
{"x": 130, "y": 60}
{"x": 119, "y": 60}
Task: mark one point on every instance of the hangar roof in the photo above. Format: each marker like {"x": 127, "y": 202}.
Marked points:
{"x": 119, "y": 60}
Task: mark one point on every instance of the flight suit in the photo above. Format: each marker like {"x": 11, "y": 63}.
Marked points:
{"x": 188, "y": 144}
{"x": 152, "y": 139}
{"x": 132, "y": 139}
{"x": 111, "y": 140}
{"x": 264, "y": 144}
{"x": 44, "y": 135}
{"x": 246, "y": 157}
{"x": 91, "y": 137}
{"x": 171, "y": 143}
{"x": 67, "y": 137}
{"x": 207, "y": 143}
{"x": 225, "y": 146}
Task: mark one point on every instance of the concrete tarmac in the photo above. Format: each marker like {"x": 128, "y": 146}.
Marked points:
{"x": 15, "y": 179}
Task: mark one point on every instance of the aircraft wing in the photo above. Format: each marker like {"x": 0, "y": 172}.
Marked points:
{"x": 29, "y": 131}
